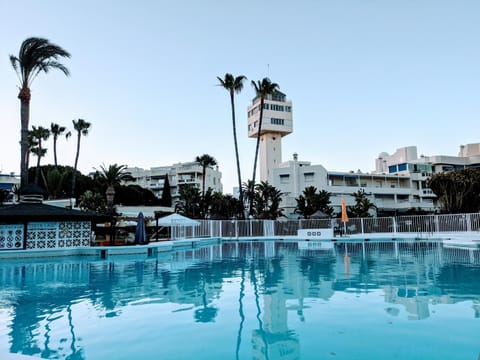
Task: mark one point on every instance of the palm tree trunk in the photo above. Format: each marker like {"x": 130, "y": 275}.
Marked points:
{"x": 55, "y": 150}
{"x": 24, "y": 120}
{"x": 39, "y": 156}
{"x": 236, "y": 151}
{"x": 74, "y": 176}
{"x": 262, "y": 100}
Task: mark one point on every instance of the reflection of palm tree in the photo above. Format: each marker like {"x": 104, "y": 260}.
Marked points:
{"x": 240, "y": 312}
{"x": 205, "y": 314}
{"x": 259, "y": 310}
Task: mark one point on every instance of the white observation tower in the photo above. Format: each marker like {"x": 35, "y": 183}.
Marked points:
{"x": 276, "y": 123}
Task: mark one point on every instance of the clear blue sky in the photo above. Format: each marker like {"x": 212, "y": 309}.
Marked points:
{"x": 364, "y": 77}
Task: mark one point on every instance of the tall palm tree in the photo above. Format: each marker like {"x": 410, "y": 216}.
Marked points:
{"x": 234, "y": 85}
{"x": 81, "y": 127}
{"x": 262, "y": 89}
{"x": 38, "y": 135}
{"x": 57, "y": 130}
{"x": 35, "y": 55}
{"x": 205, "y": 161}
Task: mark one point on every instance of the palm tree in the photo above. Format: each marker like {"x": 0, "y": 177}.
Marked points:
{"x": 81, "y": 127}
{"x": 111, "y": 177}
{"x": 362, "y": 205}
{"x": 32, "y": 143}
{"x": 57, "y": 130}
{"x": 234, "y": 85}
{"x": 39, "y": 134}
{"x": 205, "y": 161}
{"x": 262, "y": 89}
{"x": 35, "y": 55}
{"x": 267, "y": 201}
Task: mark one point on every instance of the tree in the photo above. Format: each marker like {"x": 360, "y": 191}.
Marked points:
{"x": 458, "y": 191}
{"x": 56, "y": 131}
{"x": 35, "y": 55}
{"x": 54, "y": 181}
{"x": 166, "y": 193}
{"x": 248, "y": 193}
{"x": 362, "y": 205}
{"x": 111, "y": 177}
{"x": 234, "y": 85}
{"x": 205, "y": 161}
{"x": 39, "y": 134}
{"x": 189, "y": 201}
{"x": 310, "y": 202}
{"x": 262, "y": 89}
{"x": 81, "y": 127}
{"x": 267, "y": 201}
{"x": 32, "y": 144}
{"x": 225, "y": 207}
{"x": 92, "y": 201}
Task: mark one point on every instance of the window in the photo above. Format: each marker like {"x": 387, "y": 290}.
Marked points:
{"x": 276, "y": 107}
{"x": 284, "y": 178}
{"x": 265, "y": 106}
{"x": 309, "y": 177}
{"x": 288, "y": 108}
{"x": 276, "y": 121}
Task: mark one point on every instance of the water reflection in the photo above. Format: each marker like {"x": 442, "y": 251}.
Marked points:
{"x": 270, "y": 279}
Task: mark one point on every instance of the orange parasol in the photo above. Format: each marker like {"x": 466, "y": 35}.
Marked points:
{"x": 344, "y": 211}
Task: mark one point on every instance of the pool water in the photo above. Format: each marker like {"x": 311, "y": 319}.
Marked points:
{"x": 248, "y": 300}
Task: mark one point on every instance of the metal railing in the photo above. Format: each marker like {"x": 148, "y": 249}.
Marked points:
{"x": 423, "y": 225}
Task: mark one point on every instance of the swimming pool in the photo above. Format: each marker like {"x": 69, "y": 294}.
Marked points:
{"x": 247, "y": 300}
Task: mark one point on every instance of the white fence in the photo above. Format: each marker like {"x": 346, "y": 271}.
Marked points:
{"x": 419, "y": 224}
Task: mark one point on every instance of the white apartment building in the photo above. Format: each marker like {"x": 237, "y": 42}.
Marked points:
{"x": 178, "y": 174}
{"x": 276, "y": 123}
{"x": 389, "y": 192}
{"x": 398, "y": 183}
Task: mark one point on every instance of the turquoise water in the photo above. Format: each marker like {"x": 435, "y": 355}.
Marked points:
{"x": 248, "y": 300}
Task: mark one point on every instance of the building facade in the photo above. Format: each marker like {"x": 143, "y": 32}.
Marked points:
{"x": 398, "y": 184}
{"x": 390, "y": 193}
{"x": 178, "y": 174}
{"x": 276, "y": 123}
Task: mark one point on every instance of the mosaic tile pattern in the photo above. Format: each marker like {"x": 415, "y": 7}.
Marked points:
{"x": 11, "y": 237}
{"x": 54, "y": 235}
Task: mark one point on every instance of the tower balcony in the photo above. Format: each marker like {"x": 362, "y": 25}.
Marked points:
{"x": 270, "y": 125}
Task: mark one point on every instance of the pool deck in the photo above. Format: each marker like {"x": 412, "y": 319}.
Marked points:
{"x": 451, "y": 240}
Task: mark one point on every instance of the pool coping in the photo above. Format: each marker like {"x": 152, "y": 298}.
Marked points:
{"x": 452, "y": 240}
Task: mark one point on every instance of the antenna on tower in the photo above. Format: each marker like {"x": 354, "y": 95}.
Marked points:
{"x": 268, "y": 70}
